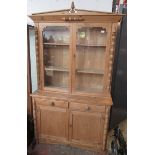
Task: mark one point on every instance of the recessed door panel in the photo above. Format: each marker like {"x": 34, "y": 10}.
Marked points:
{"x": 52, "y": 122}
{"x": 86, "y": 128}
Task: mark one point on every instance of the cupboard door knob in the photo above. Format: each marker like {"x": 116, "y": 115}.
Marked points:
{"x": 87, "y": 108}
{"x": 52, "y": 104}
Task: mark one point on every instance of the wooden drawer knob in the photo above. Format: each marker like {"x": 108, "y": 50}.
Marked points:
{"x": 87, "y": 108}
{"x": 52, "y": 103}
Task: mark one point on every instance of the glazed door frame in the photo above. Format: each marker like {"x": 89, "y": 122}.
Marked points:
{"x": 108, "y": 27}
{"x": 41, "y": 57}
{"x": 72, "y": 57}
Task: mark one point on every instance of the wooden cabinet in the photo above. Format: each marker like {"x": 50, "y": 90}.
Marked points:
{"x": 75, "y": 53}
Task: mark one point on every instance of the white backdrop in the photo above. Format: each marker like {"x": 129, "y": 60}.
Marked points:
{"x": 34, "y": 6}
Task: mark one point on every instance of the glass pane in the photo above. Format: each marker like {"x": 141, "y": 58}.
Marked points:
{"x": 56, "y": 56}
{"x": 92, "y": 36}
{"x": 90, "y": 51}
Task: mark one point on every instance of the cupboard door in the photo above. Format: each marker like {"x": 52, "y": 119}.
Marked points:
{"x": 56, "y": 40}
{"x": 90, "y": 57}
{"x": 52, "y": 123}
{"x": 86, "y": 128}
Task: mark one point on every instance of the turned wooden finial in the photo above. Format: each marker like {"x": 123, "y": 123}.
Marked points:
{"x": 72, "y": 10}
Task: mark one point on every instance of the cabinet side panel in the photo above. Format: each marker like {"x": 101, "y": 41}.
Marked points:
{"x": 34, "y": 119}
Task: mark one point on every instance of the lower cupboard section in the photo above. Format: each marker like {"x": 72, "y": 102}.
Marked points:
{"x": 85, "y": 127}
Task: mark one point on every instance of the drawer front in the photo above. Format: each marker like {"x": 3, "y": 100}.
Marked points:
{"x": 52, "y": 102}
{"x": 86, "y": 107}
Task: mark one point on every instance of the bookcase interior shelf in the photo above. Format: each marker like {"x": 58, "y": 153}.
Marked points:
{"x": 55, "y": 44}
{"x": 89, "y": 71}
{"x": 50, "y": 68}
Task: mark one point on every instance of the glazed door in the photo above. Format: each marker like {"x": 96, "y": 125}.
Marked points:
{"x": 90, "y": 49}
{"x": 52, "y": 123}
{"x": 56, "y": 47}
{"x": 86, "y": 128}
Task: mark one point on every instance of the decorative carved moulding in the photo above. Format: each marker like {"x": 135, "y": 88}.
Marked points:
{"x": 67, "y": 19}
{"x": 72, "y": 10}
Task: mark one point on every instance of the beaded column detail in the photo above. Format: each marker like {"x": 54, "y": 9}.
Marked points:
{"x": 37, "y": 55}
{"x": 111, "y": 57}
{"x": 106, "y": 125}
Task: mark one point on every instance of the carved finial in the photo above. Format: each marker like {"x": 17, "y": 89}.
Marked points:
{"x": 72, "y": 10}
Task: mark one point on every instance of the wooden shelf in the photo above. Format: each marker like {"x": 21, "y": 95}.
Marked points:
{"x": 91, "y": 45}
{"x": 57, "y": 44}
{"x": 56, "y": 69}
{"x": 56, "y": 87}
{"x": 90, "y": 90}
{"x": 89, "y": 71}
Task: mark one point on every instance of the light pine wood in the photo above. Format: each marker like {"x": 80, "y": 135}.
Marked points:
{"x": 110, "y": 58}
{"x": 86, "y": 107}
{"x": 86, "y": 128}
{"x": 105, "y": 128}
{"x": 52, "y": 121}
{"x": 62, "y": 55}
{"x": 93, "y": 100}
{"x": 52, "y": 102}
{"x": 34, "y": 119}
{"x": 37, "y": 54}
{"x": 73, "y": 100}
{"x": 79, "y": 12}
{"x": 84, "y": 57}
{"x": 80, "y": 16}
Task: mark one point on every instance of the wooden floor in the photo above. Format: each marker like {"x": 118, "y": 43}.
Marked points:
{"x": 45, "y": 149}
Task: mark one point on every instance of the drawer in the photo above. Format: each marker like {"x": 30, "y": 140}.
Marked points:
{"x": 86, "y": 107}
{"x": 52, "y": 102}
